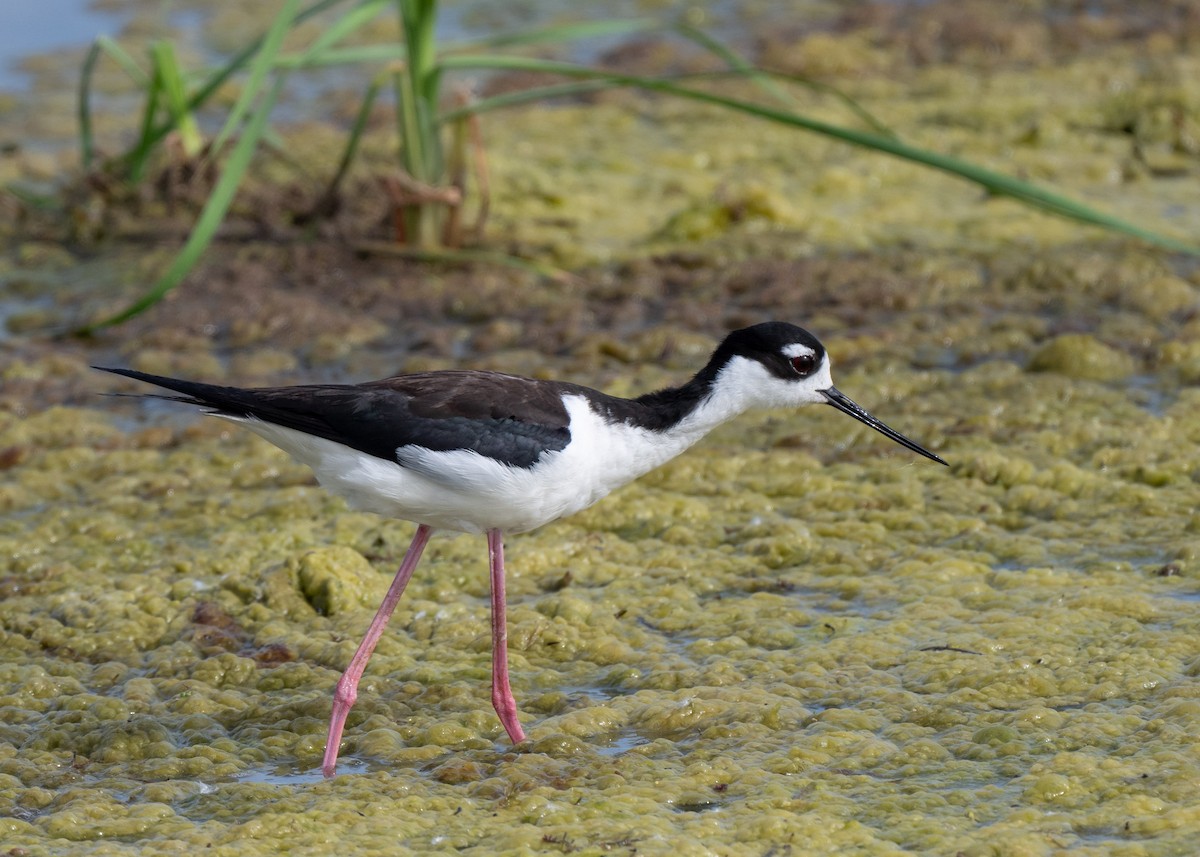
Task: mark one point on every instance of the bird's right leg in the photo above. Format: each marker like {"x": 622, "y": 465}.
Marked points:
{"x": 502, "y": 695}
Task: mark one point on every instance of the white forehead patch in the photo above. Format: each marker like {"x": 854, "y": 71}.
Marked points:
{"x": 797, "y": 350}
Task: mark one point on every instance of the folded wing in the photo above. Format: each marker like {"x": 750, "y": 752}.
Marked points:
{"x": 510, "y": 419}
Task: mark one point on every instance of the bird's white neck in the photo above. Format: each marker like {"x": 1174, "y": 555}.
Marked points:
{"x": 616, "y": 441}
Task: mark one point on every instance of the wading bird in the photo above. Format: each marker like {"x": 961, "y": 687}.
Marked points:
{"x": 484, "y": 452}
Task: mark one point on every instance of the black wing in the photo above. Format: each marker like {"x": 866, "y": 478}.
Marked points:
{"x": 511, "y": 419}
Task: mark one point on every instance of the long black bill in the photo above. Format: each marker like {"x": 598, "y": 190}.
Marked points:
{"x": 840, "y": 401}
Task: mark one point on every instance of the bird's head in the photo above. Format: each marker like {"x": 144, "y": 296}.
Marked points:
{"x": 779, "y": 365}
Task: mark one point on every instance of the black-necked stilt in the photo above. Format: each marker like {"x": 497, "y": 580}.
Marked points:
{"x": 483, "y": 452}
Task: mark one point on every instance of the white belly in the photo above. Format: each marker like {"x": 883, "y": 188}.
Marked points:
{"x": 468, "y": 492}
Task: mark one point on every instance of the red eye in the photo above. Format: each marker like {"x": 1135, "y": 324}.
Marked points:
{"x": 804, "y": 364}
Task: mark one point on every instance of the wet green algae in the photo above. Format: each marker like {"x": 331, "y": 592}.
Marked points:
{"x": 745, "y": 649}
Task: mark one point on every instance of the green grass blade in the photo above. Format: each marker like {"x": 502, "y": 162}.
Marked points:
{"x": 322, "y": 53}
{"x": 121, "y": 57}
{"x": 734, "y": 60}
{"x": 415, "y": 139}
{"x": 206, "y": 90}
{"x": 766, "y": 80}
{"x": 343, "y": 27}
{"x": 326, "y": 55}
{"x": 420, "y": 21}
{"x": 102, "y": 46}
{"x": 417, "y": 95}
{"x": 355, "y": 137}
{"x": 601, "y": 29}
{"x": 412, "y": 141}
{"x": 170, "y": 76}
{"x": 217, "y": 80}
{"x": 83, "y": 108}
{"x": 994, "y": 182}
{"x": 210, "y": 218}
{"x": 352, "y": 55}
{"x": 558, "y": 33}
{"x": 528, "y": 96}
{"x": 270, "y": 44}
{"x": 139, "y": 155}
{"x": 583, "y": 87}
{"x": 419, "y": 225}
{"x": 34, "y": 197}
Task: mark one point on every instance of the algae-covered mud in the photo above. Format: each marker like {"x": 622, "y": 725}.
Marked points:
{"x": 797, "y": 638}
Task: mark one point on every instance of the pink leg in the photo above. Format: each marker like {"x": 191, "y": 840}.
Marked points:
{"x": 502, "y": 698}
{"x": 347, "y": 687}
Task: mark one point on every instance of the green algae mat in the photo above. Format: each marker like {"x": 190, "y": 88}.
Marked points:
{"x": 791, "y": 637}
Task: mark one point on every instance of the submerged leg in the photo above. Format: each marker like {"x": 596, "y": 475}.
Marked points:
{"x": 347, "y": 687}
{"x": 502, "y": 698}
